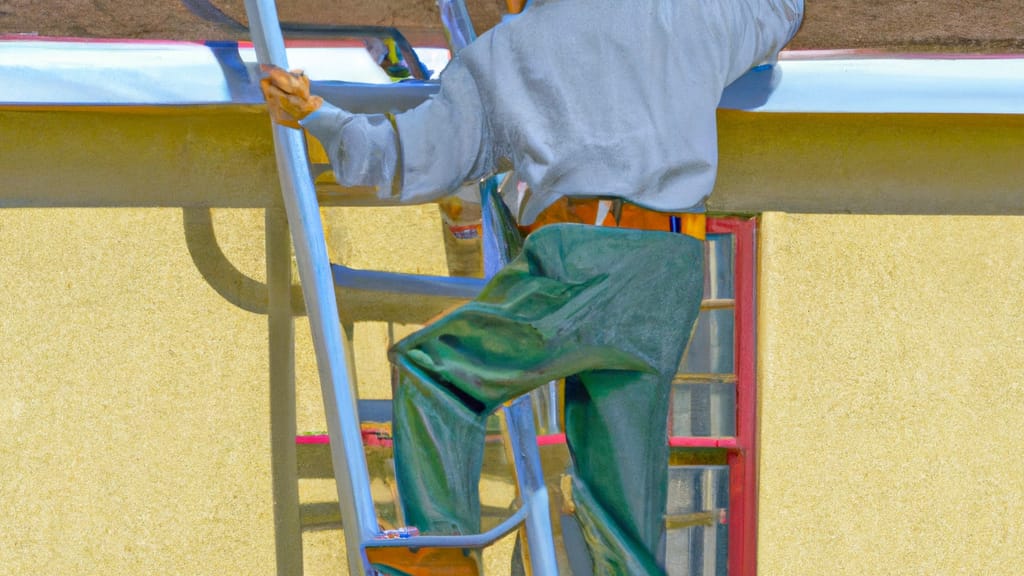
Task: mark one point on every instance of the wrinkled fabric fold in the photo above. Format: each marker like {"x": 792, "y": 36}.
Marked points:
{"x": 611, "y": 310}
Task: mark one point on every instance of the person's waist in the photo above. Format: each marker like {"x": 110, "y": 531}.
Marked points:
{"x": 620, "y": 214}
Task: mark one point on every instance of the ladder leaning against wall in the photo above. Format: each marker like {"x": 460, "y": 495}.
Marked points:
{"x": 363, "y": 538}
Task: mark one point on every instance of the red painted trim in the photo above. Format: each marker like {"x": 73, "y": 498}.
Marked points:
{"x": 372, "y": 439}
{"x": 378, "y": 440}
{"x": 305, "y": 43}
{"x": 426, "y": 42}
{"x": 16, "y": 37}
{"x": 550, "y": 439}
{"x": 723, "y": 225}
{"x": 743, "y": 463}
{"x": 702, "y": 442}
{"x": 869, "y": 53}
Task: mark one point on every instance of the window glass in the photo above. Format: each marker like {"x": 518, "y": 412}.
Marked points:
{"x": 719, "y": 277}
{"x": 697, "y": 535}
{"x": 711, "y": 348}
{"x": 703, "y": 409}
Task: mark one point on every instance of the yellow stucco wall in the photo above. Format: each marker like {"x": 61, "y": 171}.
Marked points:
{"x": 135, "y": 396}
{"x": 136, "y": 404}
{"x": 135, "y": 410}
{"x": 873, "y": 163}
{"x": 891, "y": 383}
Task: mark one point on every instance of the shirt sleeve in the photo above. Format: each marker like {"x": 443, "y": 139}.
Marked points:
{"x": 446, "y": 141}
{"x": 419, "y": 155}
{"x": 362, "y": 148}
{"x": 758, "y": 30}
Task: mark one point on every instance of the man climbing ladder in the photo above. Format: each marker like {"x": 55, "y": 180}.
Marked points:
{"x": 586, "y": 99}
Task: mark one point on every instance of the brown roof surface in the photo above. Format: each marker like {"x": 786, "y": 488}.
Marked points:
{"x": 901, "y": 25}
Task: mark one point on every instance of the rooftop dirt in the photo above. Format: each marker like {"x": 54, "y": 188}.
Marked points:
{"x": 990, "y": 26}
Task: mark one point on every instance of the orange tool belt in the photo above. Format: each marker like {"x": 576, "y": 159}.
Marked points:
{"x": 585, "y": 210}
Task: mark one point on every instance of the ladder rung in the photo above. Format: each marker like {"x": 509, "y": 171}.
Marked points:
{"x": 468, "y": 541}
{"x": 375, "y": 280}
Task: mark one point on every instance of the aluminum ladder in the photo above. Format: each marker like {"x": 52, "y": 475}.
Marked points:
{"x": 331, "y": 346}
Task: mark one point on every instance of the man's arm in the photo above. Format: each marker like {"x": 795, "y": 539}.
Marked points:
{"x": 362, "y": 148}
{"x": 420, "y": 155}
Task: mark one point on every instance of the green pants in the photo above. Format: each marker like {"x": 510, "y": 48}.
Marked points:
{"x": 610, "y": 310}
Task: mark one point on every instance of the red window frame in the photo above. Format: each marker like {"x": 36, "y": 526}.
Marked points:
{"x": 741, "y": 449}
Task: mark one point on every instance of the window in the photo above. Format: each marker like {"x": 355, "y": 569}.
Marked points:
{"x": 711, "y": 526}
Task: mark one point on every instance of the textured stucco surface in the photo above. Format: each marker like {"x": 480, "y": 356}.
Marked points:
{"x": 199, "y": 156}
{"x": 891, "y": 387}
{"x": 136, "y": 409}
{"x": 870, "y": 163}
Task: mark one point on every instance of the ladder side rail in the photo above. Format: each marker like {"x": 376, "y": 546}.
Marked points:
{"x": 504, "y": 239}
{"x": 522, "y": 438}
{"x": 498, "y": 250}
{"x": 350, "y": 470}
{"x": 455, "y": 18}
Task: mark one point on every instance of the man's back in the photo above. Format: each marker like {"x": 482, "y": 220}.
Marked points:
{"x": 618, "y": 98}
{"x": 608, "y": 97}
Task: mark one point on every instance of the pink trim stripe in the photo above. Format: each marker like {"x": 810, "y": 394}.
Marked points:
{"x": 691, "y": 442}
{"x": 373, "y": 439}
{"x": 9, "y": 37}
{"x": 550, "y": 439}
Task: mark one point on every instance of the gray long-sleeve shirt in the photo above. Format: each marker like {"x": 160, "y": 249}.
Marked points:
{"x": 583, "y": 97}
